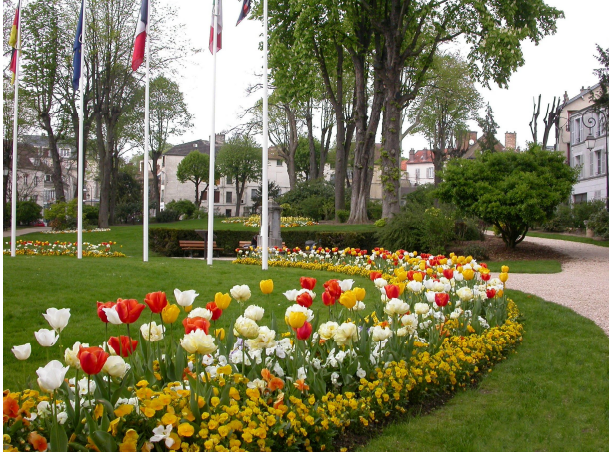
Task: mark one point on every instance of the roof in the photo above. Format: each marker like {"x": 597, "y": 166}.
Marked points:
{"x": 27, "y": 155}
{"x": 581, "y": 94}
{"x": 422, "y": 156}
{"x": 404, "y": 165}
{"x": 186, "y": 148}
{"x": 471, "y": 151}
{"x": 42, "y": 141}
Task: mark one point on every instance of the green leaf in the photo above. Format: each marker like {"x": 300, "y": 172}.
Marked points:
{"x": 104, "y": 441}
{"x": 59, "y": 439}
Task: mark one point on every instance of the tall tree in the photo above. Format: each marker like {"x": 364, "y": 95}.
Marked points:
{"x": 240, "y": 159}
{"x": 450, "y": 99}
{"x": 602, "y": 100}
{"x": 195, "y": 168}
{"x": 169, "y": 117}
{"x": 489, "y": 127}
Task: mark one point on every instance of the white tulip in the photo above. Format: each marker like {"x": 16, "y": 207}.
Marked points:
{"x": 46, "y": 338}
{"x": 265, "y": 339}
{"x": 291, "y": 295}
{"x": 254, "y": 312}
{"x": 57, "y": 318}
{"x": 380, "y": 334}
{"x": 22, "y": 352}
{"x": 241, "y": 293}
{"x": 51, "y": 376}
{"x": 421, "y": 308}
{"x": 346, "y": 333}
{"x": 198, "y": 342}
{"x": 112, "y": 316}
{"x": 152, "y": 332}
{"x": 246, "y": 328}
{"x": 115, "y": 366}
{"x": 380, "y": 282}
{"x": 327, "y": 330}
{"x": 200, "y": 312}
{"x": 396, "y": 306}
{"x": 71, "y": 355}
{"x": 185, "y": 298}
{"x": 346, "y": 284}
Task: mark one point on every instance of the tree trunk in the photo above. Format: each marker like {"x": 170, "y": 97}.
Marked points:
{"x": 197, "y": 198}
{"x": 57, "y": 172}
{"x": 312, "y": 156}
{"x": 323, "y": 153}
{"x": 390, "y": 153}
{"x": 156, "y": 191}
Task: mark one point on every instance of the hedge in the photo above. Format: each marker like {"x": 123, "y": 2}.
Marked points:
{"x": 165, "y": 241}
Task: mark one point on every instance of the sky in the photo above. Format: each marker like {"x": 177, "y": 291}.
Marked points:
{"x": 561, "y": 63}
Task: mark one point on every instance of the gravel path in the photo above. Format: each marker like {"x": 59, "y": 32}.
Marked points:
{"x": 582, "y": 285}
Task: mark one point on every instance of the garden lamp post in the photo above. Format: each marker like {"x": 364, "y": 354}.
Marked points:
{"x": 591, "y": 141}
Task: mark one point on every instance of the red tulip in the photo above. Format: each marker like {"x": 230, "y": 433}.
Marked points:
{"x": 215, "y": 311}
{"x": 129, "y": 310}
{"x": 304, "y": 299}
{"x": 375, "y": 275}
{"x": 156, "y": 301}
{"x": 448, "y": 273}
{"x": 92, "y": 359}
{"x": 100, "y": 309}
{"x": 195, "y": 323}
{"x": 125, "y": 347}
{"x": 490, "y": 293}
{"x": 328, "y": 299}
{"x": 304, "y": 332}
{"x": 442, "y": 299}
{"x": 392, "y": 291}
{"x": 485, "y": 276}
{"x": 307, "y": 283}
{"x": 333, "y": 287}
{"x": 410, "y": 275}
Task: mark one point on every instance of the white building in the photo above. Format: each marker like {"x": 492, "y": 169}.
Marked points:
{"x": 583, "y": 140}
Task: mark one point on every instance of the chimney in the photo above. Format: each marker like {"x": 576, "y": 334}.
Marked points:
{"x": 582, "y": 90}
{"x": 220, "y": 138}
{"x": 411, "y": 155}
{"x": 566, "y": 97}
{"x": 473, "y": 136}
{"x": 510, "y": 140}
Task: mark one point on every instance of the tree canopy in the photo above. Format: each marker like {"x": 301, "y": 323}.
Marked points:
{"x": 194, "y": 168}
{"x": 510, "y": 190}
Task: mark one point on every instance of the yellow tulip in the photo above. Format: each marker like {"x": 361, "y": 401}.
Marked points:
{"x": 266, "y": 286}
{"x": 468, "y": 274}
{"x": 505, "y": 269}
{"x": 402, "y": 276}
{"x": 222, "y": 300}
{"x": 418, "y": 276}
{"x": 422, "y": 266}
{"x": 503, "y": 277}
{"x": 187, "y": 309}
{"x": 296, "y": 319}
{"x": 220, "y": 333}
{"x": 499, "y": 293}
{"x": 360, "y": 293}
{"x": 170, "y": 313}
{"x": 402, "y": 286}
{"x": 348, "y": 299}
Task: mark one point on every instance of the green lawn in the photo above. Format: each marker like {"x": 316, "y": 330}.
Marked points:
{"x": 552, "y": 395}
{"x": 533, "y": 266}
{"x": 569, "y": 238}
{"x": 32, "y": 284}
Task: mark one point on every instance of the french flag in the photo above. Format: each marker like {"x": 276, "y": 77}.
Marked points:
{"x": 245, "y": 9}
{"x": 139, "y": 47}
{"x": 211, "y": 30}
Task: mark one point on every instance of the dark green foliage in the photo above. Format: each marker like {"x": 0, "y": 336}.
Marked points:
{"x": 28, "y": 211}
{"x": 468, "y": 229}
{"x": 512, "y": 191}
{"x": 424, "y": 195}
{"x": 183, "y": 207}
{"x": 419, "y": 228}
{"x": 342, "y": 215}
{"x": 313, "y": 199}
{"x": 167, "y": 216}
{"x": 90, "y": 214}
{"x": 476, "y": 251}
{"x": 599, "y": 223}
{"x": 128, "y": 212}
{"x": 375, "y": 210}
{"x": 573, "y": 216}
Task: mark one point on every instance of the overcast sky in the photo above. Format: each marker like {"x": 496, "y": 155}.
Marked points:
{"x": 562, "y": 62}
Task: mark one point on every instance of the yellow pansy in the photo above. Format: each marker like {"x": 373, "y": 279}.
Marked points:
{"x": 123, "y": 410}
{"x": 185, "y": 429}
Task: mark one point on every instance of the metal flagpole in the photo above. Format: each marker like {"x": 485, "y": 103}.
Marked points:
{"x": 265, "y": 147}
{"x": 212, "y": 151}
{"x": 81, "y": 138}
{"x": 147, "y": 136}
{"x": 15, "y": 131}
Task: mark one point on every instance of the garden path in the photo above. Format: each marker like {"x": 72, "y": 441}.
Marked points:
{"x": 583, "y": 284}
{"x": 24, "y": 231}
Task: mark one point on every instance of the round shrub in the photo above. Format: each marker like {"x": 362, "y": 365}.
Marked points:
{"x": 167, "y": 216}
{"x": 343, "y": 215}
{"x": 476, "y": 251}
{"x": 599, "y": 223}
{"x": 183, "y": 207}
{"x": 28, "y": 211}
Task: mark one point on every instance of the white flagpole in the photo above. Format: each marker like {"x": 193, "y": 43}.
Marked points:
{"x": 212, "y": 151}
{"x": 265, "y": 147}
{"x": 15, "y": 139}
{"x": 147, "y": 135}
{"x": 81, "y": 138}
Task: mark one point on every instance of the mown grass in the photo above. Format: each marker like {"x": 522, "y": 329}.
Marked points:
{"x": 32, "y": 284}
{"x": 532, "y": 266}
{"x": 552, "y": 395}
{"x": 569, "y": 238}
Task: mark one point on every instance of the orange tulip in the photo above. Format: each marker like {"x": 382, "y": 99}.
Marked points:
{"x": 129, "y": 310}
{"x": 92, "y": 359}
{"x": 307, "y": 283}
{"x": 156, "y": 301}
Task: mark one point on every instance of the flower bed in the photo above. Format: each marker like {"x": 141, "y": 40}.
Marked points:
{"x": 74, "y": 231}
{"x": 286, "y": 222}
{"x": 45, "y": 248}
{"x": 432, "y": 329}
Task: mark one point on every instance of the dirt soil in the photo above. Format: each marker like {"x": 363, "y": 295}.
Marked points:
{"x": 525, "y": 250}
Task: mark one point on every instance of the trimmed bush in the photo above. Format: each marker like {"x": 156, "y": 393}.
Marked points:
{"x": 183, "y": 207}
{"x": 476, "y": 251}
{"x": 343, "y": 215}
{"x": 167, "y": 216}
{"x": 28, "y": 211}
{"x": 599, "y": 223}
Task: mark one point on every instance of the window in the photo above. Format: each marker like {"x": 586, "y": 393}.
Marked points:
{"x": 35, "y": 181}
{"x": 65, "y": 152}
{"x": 577, "y": 161}
{"x": 216, "y": 196}
{"x": 598, "y": 160}
{"x": 229, "y": 198}
{"x": 162, "y": 195}
{"x": 279, "y": 162}
{"x": 25, "y": 178}
{"x": 49, "y": 195}
{"x": 576, "y": 131}
{"x": 163, "y": 162}
{"x": 47, "y": 178}
{"x": 429, "y": 173}
{"x": 591, "y": 164}
{"x": 582, "y": 197}
{"x": 229, "y": 180}
{"x": 597, "y": 194}
{"x": 204, "y": 195}
{"x": 417, "y": 173}
{"x": 229, "y": 213}
{"x": 254, "y": 193}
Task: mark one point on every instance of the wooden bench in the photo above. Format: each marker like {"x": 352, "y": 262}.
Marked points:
{"x": 198, "y": 245}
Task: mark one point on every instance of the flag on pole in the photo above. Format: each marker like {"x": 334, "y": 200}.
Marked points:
{"x": 140, "y": 37}
{"x": 211, "y": 30}
{"x": 245, "y": 9}
{"x": 77, "y": 51}
{"x": 12, "y": 41}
